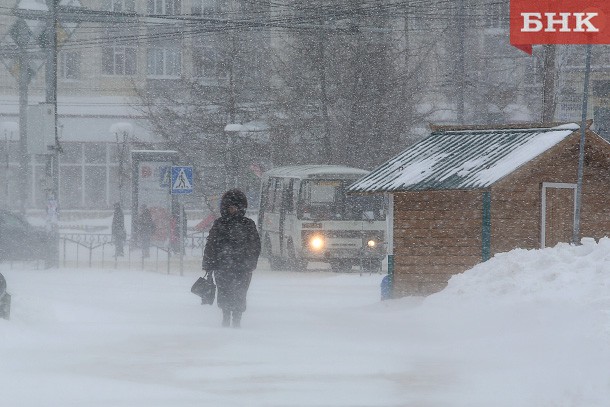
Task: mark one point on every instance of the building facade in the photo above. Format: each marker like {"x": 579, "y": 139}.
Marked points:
{"x": 118, "y": 49}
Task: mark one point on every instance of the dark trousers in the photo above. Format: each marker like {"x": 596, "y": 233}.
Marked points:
{"x": 232, "y": 289}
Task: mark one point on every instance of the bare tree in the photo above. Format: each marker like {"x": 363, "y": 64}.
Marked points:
{"x": 346, "y": 93}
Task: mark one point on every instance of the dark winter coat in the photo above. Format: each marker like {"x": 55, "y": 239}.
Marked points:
{"x": 231, "y": 252}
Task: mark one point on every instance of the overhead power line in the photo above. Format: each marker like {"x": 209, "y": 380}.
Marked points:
{"x": 277, "y": 17}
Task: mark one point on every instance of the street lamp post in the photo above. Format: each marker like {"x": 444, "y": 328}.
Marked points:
{"x": 232, "y": 131}
{"x": 9, "y": 129}
{"x": 123, "y": 132}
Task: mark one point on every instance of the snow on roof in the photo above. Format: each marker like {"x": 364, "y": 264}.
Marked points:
{"x": 254, "y": 130}
{"x": 316, "y": 171}
{"x": 462, "y": 159}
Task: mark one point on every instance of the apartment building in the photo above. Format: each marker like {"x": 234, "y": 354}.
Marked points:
{"x": 153, "y": 46}
{"x": 103, "y": 61}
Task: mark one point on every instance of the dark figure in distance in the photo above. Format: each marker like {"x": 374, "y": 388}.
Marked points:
{"x": 118, "y": 229}
{"x": 146, "y": 229}
{"x": 231, "y": 253}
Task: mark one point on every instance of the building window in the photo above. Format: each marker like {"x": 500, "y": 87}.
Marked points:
{"x": 69, "y": 65}
{"x": 209, "y": 62}
{"x": 166, "y": 7}
{"x": 601, "y": 120}
{"x": 119, "y": 5}
{"x": 164, "y": 62}
{"x": 95, "y": 186}
{"x": 496, "y": 15}
{"x": 533, "y": 71}
{"x": 72, "y": 153}
{"x": 95, "y": 153}
{"x": 601, "y": 89}
{"x": 206, "y": 7}
{"x": 71, "y": 186}
{"x": 119, "y": 60}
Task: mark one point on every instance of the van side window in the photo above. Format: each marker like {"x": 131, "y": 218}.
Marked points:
{"x": 288, "y": 196}
{"x": 277, "y": 195}
{"x": 264, "y": 201}
{"x": 270, "y": 194}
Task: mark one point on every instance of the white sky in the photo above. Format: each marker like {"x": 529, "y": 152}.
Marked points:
{"x": 528, "y": 328}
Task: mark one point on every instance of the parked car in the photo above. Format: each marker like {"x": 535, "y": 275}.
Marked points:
{"x": 19, "y": 240}
{"x": 5, "y": 299}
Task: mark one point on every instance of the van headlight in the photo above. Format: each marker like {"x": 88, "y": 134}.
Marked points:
{"x": 316, "y": 243}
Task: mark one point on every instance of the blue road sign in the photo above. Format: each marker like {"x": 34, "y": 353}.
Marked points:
{"x": 182, "y": 180}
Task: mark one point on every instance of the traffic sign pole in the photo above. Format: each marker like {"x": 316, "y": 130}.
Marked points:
{"x": 181, "y": 184}
{"x": 181, "y": 237}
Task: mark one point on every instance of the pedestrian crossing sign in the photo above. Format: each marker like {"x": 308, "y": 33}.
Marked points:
{"x": 182, "y": 180}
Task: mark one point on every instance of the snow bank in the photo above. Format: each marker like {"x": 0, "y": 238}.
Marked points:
{"x": 564, "y": 272}
{"x": 528, "y": 328}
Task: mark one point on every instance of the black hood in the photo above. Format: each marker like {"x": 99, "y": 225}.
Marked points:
{"x": 233, "y": 197}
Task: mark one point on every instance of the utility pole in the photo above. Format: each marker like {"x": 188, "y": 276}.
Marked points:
{"x": 461, "y": 68}
{"x": 548, "y": 84}
{"x": 52, "y": 166}
{"x": 21, "y": 36}
{"x": 326, "y": 144}
{"x": 24, "y": 47}
{"x": 581, "y": 151}
{"x": 24, "y": 81}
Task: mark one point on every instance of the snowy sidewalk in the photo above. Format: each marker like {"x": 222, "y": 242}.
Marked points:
{"x": 525, "y": 329}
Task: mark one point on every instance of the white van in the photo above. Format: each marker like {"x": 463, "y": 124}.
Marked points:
{"x": 306, "y": 216}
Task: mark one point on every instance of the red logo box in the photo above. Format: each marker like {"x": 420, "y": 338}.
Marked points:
{"x": 559, "y": 22}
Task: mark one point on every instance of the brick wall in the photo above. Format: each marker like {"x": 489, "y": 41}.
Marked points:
{"x": 436, "y": 234}
{"x": 516, "y": 200}
{"x": 439, "y": 233}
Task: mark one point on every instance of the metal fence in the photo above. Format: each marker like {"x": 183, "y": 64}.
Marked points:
{"x": 98, "y": 250}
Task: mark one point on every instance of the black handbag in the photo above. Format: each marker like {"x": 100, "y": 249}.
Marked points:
{"x": 205, "y": 288}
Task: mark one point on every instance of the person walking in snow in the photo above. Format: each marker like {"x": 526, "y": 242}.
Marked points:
{"x": 231, "y": 253}
{"x": 146, "y": 229}
{"x": 118, "y": 230}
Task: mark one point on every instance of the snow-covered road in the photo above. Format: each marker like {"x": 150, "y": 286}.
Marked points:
{"x": 531, "y": 329}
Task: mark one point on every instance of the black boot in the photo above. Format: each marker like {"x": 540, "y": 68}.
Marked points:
{"x": 236, "y": 319}
{"x": 226, "y": 318}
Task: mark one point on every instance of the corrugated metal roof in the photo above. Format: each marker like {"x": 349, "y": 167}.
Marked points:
{"x": 316, "y": 171}
{"x": 461, "y": 159}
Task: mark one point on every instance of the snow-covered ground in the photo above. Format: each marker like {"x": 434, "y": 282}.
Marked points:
{"x": 527, "y": 328}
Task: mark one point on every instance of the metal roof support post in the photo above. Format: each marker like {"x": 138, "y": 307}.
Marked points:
{"x": 486, "y": 227}
{"x": 581, "y": 151}
{"x": 390, "y": 240}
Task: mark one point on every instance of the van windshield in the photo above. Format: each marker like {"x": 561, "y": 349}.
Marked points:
{"x": 327, "y": 200}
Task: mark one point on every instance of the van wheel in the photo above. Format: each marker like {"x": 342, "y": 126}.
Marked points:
{"x": 295, "y": 263}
